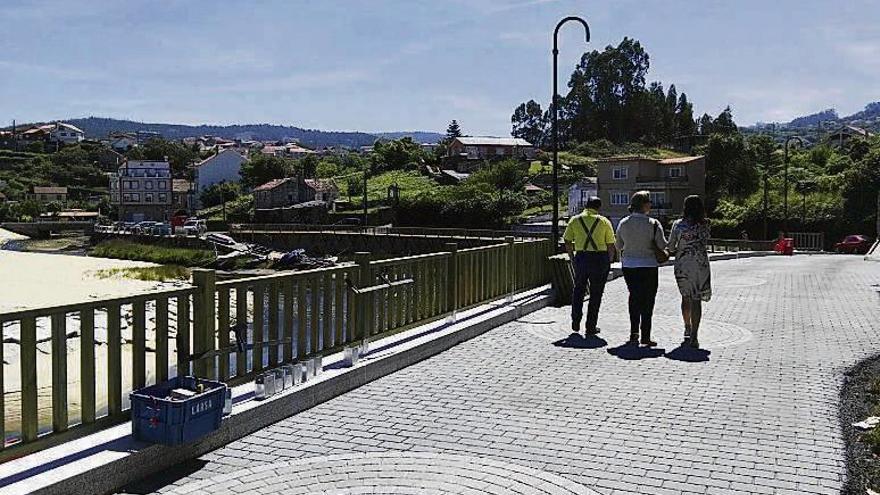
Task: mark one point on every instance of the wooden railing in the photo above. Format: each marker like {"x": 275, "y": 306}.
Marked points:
{"x": 70, "y": 368}
{"x": 412, "y": 231}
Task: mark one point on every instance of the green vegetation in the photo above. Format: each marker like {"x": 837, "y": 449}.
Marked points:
{"x": 411, "y": 184}
{"x": 240, "y": 209}
{"x": 127, "y": 250}
{"x": 215, "y": 194}
{"x": 162, "y": 273}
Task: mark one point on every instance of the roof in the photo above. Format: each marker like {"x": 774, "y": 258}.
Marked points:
{"x": 321, "y": 185}
{"x": 851, "y": 129}
{"x": 181, "y": 185}
{"x": 2, "y": 196}
{"x": 77, "y": 214}
{"x": 533, "y": 188}
{"x": 50, "y": 190}
{"x": 70, "y": 127}
{"x": 459, "y": 176}
{"x": 492, "y": 141}
{"x": 272, "y": 184}
{"x": 680, "y": 160}
{"x": 665, "y": 161}
{"x": 227, "y": 150}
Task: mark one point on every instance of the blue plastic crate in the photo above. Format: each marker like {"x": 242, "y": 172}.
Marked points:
{"x": 157, "y": 419}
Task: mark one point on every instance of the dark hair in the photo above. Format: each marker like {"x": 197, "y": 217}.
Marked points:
{"x": 693, "y": 209}
{"x": 594, "y": 203}
{"x": 638, "y": 201}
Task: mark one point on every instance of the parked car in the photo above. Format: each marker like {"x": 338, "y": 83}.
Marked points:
{"x": 143, "y": 228}
{"x": 161, "y": 229}
{"x": 854, "y": 244}
{"x": 195, "y": 227}
{"x": 349, "y": 221}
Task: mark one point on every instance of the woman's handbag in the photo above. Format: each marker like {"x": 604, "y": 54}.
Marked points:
{"x": 662, "y": 255}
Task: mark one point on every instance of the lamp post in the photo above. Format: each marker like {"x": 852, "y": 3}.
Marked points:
{"x": 785, "y": 193}
{"x": 555, "y": 104}
{"x": 365, "y": 194}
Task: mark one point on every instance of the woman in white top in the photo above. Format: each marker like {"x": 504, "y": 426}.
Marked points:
{"x": 638, "y": 238}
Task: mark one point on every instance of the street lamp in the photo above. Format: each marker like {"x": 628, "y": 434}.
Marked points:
{"x": 785, "y": 194}
{"x": 555, "y": 104}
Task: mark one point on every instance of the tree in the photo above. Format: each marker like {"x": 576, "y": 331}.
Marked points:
{"x": 216, "y": 194}
{"x": 179, "y": 155}
{"x": 398, "y": 154}
{"x": 453, "y": 131}
{"x": 528, "y": 122}
{"x": 724, "y": 124}
{"x": 706, "y": 125}
{"x": 729, "y": 169}
{"x": 684, "y": 117}
{"x": 505, "y": 175}
{"x": 262, "y": 168}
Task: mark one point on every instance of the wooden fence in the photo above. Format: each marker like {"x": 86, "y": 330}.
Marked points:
{"x": 410, "y": 231}
{"x": 70, "y": 368}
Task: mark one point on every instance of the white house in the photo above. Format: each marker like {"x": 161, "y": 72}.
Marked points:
{"x": 65, "y": 133}
{"x": 579, "y": 193}
{"x": 222, "y": 167}
{"x": 123, "y": 142}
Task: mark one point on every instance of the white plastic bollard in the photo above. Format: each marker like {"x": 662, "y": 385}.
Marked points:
{"x": 350, "y": 356}
{"x": 259, "y": 387}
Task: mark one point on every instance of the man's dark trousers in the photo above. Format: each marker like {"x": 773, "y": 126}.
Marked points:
{"x": 589, "y": 268}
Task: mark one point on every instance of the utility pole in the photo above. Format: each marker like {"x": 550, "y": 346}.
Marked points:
{"x": 365, "y": 195}
{"x": 785, "y": 192}
{"x": 766, "y": 201}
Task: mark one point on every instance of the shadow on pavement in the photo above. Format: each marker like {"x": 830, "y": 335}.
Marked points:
{"x": 634, "y": 353}
{"x": 152, "y": 484}
{"x": 689, "y": 355}
{"x": 578, "y": 341}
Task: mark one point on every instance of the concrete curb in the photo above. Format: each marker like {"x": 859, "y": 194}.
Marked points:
{"x": 137, "y": 460}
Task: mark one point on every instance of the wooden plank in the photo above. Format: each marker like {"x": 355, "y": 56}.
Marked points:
{"x": 59, "y": 372}
{"x": 28, "y": 364}
{"x": 289, "y": 319}
{"x": 87, "y": 364}
{"x": 161, "y": 339}
{"x": 139, "y": 344}
{"x": 183, "y": 335}
{"x": 339, "y": 308}
{"x": 302, "y": 348}
{"x": 259, "y": 318}
{"x": 114, "y": 361}
{"x": 2, "y": 391}
{"x": 327, "y": 311}
{"x": 314, "y": 313}
{"x": 241, "y": 310}
{"x": 273, "y": 324}
{"x": 223, "y": 331}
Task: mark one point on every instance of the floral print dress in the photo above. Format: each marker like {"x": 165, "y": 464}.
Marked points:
{"x": 687, "y": 243}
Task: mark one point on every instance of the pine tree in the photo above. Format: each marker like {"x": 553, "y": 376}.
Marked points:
{"x": 453, "y": 131}
{"x": 684, "y": 117}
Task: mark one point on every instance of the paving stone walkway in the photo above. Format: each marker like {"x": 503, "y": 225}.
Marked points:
{"x": 755, "y": 414}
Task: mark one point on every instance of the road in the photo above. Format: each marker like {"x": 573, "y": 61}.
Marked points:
{"x": 520, "y": 410}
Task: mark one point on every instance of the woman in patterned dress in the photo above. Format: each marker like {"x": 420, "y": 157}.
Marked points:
{"x": 687, "y": 243}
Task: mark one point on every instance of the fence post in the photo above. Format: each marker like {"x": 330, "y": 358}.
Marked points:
{"x": 452, "y": 278}
{"x": 511, "y": 267}
{"x": 361, "y": 327}
{"x": 204, "y": 321}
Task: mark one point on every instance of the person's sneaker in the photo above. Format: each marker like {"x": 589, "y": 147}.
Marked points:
{"x": 695, "y": 343}
{"x": 575, "y": 327}
{"x": 632, "y": 342}
{"x": 687, "y": 341}
{"x": 648, "y": 343}
{"x": 594, "y": 331}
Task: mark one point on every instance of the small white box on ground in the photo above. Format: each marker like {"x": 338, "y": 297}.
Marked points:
{"x": 279, "y": 379}
{"x": 269, "y": 381}
{"x": 350, "y": 356}
{"x": 287, "y": 369}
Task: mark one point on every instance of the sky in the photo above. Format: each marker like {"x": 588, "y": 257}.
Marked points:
{"x": 392, "y": 65}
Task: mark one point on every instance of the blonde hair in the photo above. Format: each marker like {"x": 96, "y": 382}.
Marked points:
{"x": 638, "y": 201}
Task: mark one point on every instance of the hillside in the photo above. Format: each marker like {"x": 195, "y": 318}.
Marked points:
{"x": 100, "y": 127}
{"x": 869, "y": 118}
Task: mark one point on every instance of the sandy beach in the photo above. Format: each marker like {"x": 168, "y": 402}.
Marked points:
{"x": 32, "y": 280}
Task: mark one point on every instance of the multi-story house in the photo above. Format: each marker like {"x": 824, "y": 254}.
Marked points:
{"x": 142, "y": 190}
{"x": 579, "y": 193}
{"x": 668, "y": 180}
{"x": 468, "y": 153}
{"x": 46, "y": 194}
{"x": 225, "y": 166}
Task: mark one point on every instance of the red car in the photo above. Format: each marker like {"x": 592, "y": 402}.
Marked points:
{"x": 853, "y": 244}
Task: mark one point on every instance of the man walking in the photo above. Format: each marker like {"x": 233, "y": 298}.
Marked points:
{"x": 589, "y": 241}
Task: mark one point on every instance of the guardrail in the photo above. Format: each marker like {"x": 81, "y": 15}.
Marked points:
{"x": 728, "y": 245}
{"x": 413, "y": 231}
{"x": 70, "y": 368}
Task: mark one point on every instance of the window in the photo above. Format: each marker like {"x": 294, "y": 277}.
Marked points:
{"x": 674, "y": 172}
{"x": 148, "y": 198}
{"x": 136, "y": 197}
{"x": 163, "y": 197}
{"x": 658, "y": 199}
{"x": 499, "y": 151}
{"x": 619, "y": 198}
{"x": 289, "y": 198}
{"x": 620, "y": 173}
{"x": 163, "y": 184}
{"x": 126, "y": 198}
{"x": 148, "y": 184}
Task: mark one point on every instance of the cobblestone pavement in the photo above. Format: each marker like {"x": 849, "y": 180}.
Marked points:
{"x": 758, "y": 414}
